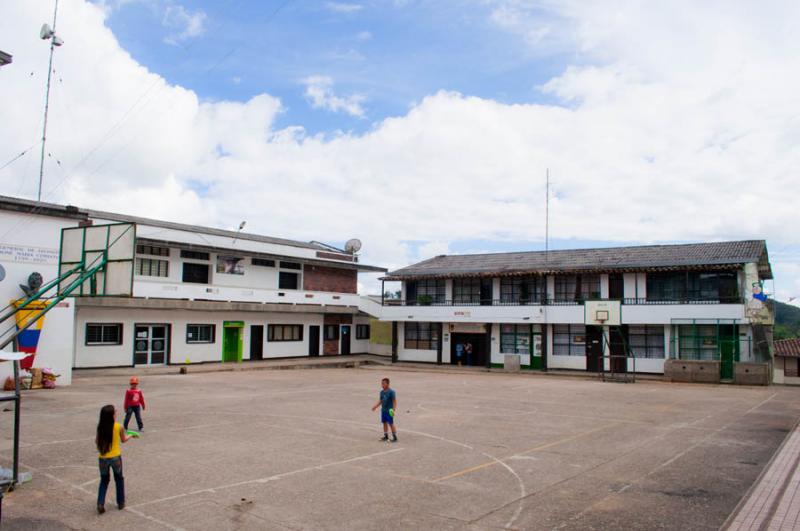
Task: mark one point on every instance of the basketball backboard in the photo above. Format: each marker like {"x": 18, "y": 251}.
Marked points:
{"x": 605, "y": 312}
{"x": 111, "y": 246}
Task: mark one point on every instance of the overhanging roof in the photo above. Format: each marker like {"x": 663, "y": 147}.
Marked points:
{"x": 213, "y": 239}
{"x": 714, "y": 255}
{"x": 787, "y": 347}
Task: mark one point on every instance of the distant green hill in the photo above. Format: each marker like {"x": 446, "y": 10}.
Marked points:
{"x": 787, "y": 320}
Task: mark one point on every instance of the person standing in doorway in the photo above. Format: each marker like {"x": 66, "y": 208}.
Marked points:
{"x": 459, "y": 353}
{"x": 387, "y": 401}
{"x": 468, "y": 352}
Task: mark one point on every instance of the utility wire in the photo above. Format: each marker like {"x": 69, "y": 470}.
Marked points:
{"x": 115, "y": 128}
{"x": 22, "y": 154}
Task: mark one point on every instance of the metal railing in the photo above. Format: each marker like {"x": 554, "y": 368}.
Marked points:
{"x": 554, "y": 302}
{"x": 709, "y": 348}
{"x": 481, "y": 302}
{"x": 685, "y": 300}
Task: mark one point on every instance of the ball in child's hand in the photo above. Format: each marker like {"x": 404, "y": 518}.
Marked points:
{"x": 391, "y": 412}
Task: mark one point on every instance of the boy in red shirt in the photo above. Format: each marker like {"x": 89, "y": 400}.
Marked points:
{"x": 134, "y": 403}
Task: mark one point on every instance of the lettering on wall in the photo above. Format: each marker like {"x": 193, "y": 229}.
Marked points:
{"x": 26, "y": 254}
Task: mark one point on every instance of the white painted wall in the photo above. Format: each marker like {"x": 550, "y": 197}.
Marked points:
{"x": 629, "y": 285}
{"x": 30, "y": 243}
{"x": 122, "y": 355}
{"x": 404, "y": 354}
{"x": 360, "y": 346}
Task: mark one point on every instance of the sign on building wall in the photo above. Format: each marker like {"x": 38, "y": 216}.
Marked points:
{"x": 26, "y": 254}
{"x": 468, "y": 328}
{"x": 757, "y": 305}
{"x": 230, "y": 265}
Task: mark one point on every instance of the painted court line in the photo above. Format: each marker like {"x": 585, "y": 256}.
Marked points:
{"x": 274, "y": 477}
{"x": 524, "y": 452}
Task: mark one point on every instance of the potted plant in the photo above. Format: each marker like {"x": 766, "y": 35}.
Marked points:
{"x": 424, "y": 300}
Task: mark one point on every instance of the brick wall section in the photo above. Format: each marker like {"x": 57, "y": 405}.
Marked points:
{"x": 321, "y": 278}
{"x": 330, "y": 347}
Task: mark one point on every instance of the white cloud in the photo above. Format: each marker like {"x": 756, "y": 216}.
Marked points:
{"x": 185, "y": 24}
{"x": 363, "y": 36}
{"x": 672, "y": 123}
{"x": 319, "y": 93}
{"x": 342, "y": 7}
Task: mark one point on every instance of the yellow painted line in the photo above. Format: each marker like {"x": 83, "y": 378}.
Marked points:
{"x": 528, "y": 451}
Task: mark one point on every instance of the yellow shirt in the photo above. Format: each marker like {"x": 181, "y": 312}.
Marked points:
{"x": 113, "y": 450}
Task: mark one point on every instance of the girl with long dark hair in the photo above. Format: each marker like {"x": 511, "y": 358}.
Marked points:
{"x": 110, "y": 435}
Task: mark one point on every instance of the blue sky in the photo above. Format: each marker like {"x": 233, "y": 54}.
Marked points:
{"x": 391, "y": 54}
{"x": 420, "y": 127}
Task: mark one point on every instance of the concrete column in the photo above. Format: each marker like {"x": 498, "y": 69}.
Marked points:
{"x": 394, "y": 341}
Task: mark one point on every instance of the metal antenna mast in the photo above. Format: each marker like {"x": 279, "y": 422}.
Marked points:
{"x": 547, "y": 218}
{"x": 54, "y": 41}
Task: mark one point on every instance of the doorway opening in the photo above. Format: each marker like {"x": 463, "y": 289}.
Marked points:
{"x": 151, "y": 344}
{"x": 460, "y": 346}
{"x": 232, "y": 340}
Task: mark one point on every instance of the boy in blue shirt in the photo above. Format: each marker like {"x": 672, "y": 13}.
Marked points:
{"x": 388, "y": 405}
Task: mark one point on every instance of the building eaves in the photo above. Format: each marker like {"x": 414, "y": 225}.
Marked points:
{"x": 715, "y": 255}
{"x": 787, "y": 347}
{"x": 326, "y": 253}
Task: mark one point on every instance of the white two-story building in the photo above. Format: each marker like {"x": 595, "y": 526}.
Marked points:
{"x": 199, "y": 294}
{"x": 688, "y": 302}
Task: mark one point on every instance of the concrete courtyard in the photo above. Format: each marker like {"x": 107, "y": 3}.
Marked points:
{"x": 299, "y": 449}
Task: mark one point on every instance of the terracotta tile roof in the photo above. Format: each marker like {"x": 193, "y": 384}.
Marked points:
{"x": 715, "y": 255}
{"x": 788, "y": 347}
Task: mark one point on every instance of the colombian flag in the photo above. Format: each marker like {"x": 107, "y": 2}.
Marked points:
{"x": 28, "y": 340}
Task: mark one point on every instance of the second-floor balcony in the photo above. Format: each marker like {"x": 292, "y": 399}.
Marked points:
{"x": 430, "y": 301}
{"x": 204, "y": 292}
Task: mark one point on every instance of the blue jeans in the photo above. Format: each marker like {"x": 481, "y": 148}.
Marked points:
{"x": 136, "y": 410}
{"x": 115, "y": 464}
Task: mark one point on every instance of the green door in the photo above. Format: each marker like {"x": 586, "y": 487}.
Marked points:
{"x": 232, "y": 340}
{"x": 728, "y": 349}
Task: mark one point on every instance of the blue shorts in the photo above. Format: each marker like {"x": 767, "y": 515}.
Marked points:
{"x": 386, "y": 417}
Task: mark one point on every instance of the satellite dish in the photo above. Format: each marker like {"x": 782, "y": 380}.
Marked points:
{"x": 45, "y": 32}
{"x": 353, "y": 245}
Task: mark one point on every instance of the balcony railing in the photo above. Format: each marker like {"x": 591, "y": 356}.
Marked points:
{"x": 684, "y": 300}
{"x": 482, "y": 302}
{"x": 554, "y": 302}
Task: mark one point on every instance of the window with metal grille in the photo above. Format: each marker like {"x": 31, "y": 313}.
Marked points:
{"x": 285, "y": 332}
{"x": 722, "y": 286}
{"x": 421, "y": 336}
{"x": 362, "y": 331}
{"x": 791, "y": 366}
{"x": 429, "y": 291}
{"x": 291, "y": 265}
{"x": 195, "y": 273}
{"x": 194, "y": 255}
{"x": 200, "y": 333}
{"x": 515, "y": 339}
{"x": 646, "y": 341}
{"x": 522, "y": 290}
{"x": 153, "y": 250}
{"x": 698, "y": 342}
{"x": 103, "y": 334}
{"x": 577, "y": 287}
{"x": 288, "y": 280}
{"x": 331, "y": 332}
{"x": 569, "y": 340}
{"x": 262, "y": 262}
{"x": 152, "y": 267}
{"x": 466, "y": 291}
